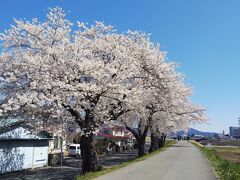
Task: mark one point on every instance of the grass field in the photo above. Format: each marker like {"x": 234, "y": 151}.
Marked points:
{"x": 229, "y": 154}
{"x": 225, "y": 160}
{"x": 221, "y": 142}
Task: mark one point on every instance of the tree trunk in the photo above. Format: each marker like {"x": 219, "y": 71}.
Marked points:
{"x": 141, "y": 148}
{"x": 140, "y": 137}
{"x": 162, "y": 140}
{"x": 88, "y": 154}
{"x": 154, "y": 143}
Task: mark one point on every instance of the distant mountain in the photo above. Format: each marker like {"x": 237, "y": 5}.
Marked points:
{"x": 192, "y": 132}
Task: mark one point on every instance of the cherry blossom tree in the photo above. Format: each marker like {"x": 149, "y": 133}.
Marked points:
{"x": 164, "y": 101}
{"x": 169, "y": 103}
{"x": 50, "y": 69}
{"x": 92, "y": 75}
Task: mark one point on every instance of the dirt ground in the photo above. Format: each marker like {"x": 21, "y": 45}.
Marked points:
{"x": 230, "y": 154}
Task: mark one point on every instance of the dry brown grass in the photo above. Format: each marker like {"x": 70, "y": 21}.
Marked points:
{"x": 230, "y": 154}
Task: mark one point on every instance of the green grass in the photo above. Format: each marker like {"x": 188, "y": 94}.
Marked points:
{"x": 225, "y": 169}
{"x": 93, "y": 175}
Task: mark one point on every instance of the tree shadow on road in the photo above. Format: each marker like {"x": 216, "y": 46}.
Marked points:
{"x": 117, "y": 158}
{"x": 51, "y": 173}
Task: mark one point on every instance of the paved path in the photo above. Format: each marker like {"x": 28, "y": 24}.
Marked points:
{"x": 182, "y": 161}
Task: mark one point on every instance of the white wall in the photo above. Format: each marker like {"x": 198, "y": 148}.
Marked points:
{"x": 40, "y": 156}
{"x": 118, "y": 133}
{"x": 22, "y": 154}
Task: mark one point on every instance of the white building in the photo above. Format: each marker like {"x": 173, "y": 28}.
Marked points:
{"x": 20, "y": 147}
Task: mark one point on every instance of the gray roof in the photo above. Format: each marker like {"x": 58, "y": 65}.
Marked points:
{"x": 8, "y": 126}
{"x": 9, "y": 122}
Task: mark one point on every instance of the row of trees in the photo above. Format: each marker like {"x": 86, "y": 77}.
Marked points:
{"x": 92, "y": 75}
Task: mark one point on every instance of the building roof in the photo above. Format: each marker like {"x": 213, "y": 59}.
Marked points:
{"x": 11, "y": 129}
{"x": 9, "y": 122}
{"x": 114, "y": 127}
{"x": 109, "y": 136}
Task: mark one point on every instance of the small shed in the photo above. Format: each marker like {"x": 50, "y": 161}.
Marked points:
{"x": 20, "y": 147}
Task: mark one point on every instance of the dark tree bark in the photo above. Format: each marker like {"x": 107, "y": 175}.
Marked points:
{"x": 88, "y": 154}
{"x": 141, "y": 148}
{"x": 154, "y": 135}
{"x": 164, "y": 138}
{"x": 154, "y": 143}
{"x": 140, "y": 137}
{"x": 161, "y": 140}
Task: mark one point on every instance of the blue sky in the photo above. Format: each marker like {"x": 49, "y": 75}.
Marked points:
{"x": 203, "y": 36}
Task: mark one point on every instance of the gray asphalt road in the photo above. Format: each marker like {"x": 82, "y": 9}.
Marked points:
{"x": 182, "y": 161}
